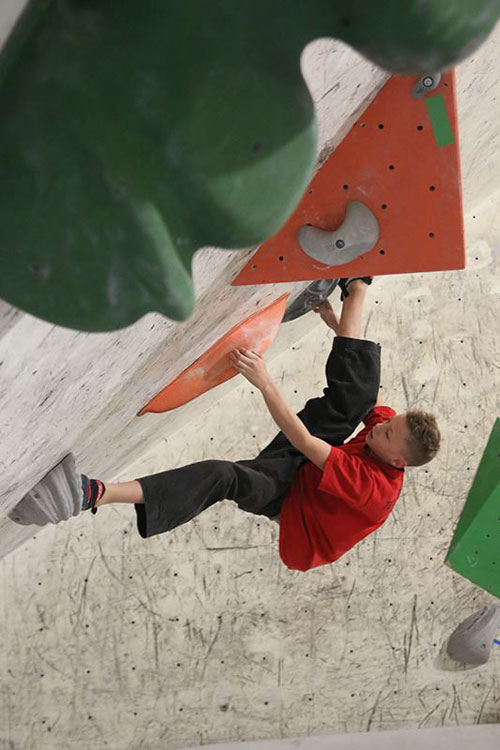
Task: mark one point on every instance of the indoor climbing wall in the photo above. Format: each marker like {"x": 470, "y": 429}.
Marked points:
{"x": 203, "y": 635}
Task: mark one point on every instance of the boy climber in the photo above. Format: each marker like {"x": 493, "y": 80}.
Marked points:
{"x": 328, "y": 494}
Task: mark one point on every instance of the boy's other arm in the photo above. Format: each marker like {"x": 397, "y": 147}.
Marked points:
{"x": 253, "y": 368}
{"x": 315, "y": 449}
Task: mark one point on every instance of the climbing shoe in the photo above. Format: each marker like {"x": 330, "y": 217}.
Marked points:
{"x": 344, "y": 284}
{"x": 92, "y": 491}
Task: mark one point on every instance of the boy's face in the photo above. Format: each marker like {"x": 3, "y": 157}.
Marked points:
{"x": 388, "y": 440}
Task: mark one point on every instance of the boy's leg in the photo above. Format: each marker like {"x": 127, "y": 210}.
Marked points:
{"x": 166, "y": 500}
{"x": 352, "y": 310}
{"x": 121, "y": 492}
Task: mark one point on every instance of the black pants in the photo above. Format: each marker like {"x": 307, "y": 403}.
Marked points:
{"x": 260, "y": 485}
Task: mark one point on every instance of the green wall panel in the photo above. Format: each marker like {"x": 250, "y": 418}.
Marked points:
{"x": 475, "y": 548}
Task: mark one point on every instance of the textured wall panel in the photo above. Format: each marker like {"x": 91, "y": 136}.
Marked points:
{"x": 202, "y": 635}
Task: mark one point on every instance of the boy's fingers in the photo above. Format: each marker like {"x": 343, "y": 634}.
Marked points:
{"x": 239, "y": 364}
{"x": 239, "y": 354}
{"x": 248, "y": 356}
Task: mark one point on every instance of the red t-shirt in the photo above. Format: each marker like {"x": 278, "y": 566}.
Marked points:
{"x": 327, "y": 512}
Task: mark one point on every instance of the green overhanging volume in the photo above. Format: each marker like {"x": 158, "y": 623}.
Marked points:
{"x": 134, "y": 132}
{"x": 475, "y": 548}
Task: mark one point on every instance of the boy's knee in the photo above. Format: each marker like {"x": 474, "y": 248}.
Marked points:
{"x": 223, "y": 470}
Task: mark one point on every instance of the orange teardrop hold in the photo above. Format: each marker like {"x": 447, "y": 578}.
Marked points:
{"x": 214, "y": 366}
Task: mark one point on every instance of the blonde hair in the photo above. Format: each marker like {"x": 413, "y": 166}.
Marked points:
{"x": 425, "y": 438}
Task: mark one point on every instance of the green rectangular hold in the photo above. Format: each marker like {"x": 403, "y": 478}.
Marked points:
{"x": 475, "y": 548}
{"x": 440, "y": 122}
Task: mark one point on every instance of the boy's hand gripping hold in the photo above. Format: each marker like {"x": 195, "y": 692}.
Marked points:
{"x": 251, "y": 366}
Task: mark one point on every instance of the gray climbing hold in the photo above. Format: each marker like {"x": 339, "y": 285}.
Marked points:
{"x": 310, "y": 297}
{"x": 55, "y": 498}
{"x": 471, "y": 642}
{"x": 358, "y": 234}
{"x": 425, "y": 85}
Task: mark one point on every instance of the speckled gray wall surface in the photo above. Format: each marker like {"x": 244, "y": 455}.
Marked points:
{"x": 202, "y": 635}
{"x": 483, "y": 737}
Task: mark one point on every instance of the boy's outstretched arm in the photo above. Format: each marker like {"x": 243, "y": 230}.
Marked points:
{"x": 253, "y": 368}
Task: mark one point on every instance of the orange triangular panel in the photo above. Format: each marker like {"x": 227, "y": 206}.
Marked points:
{"x": 391, "y": 161}
{"x": 214, "y": 367}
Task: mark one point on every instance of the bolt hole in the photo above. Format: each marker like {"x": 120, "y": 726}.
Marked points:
{"x": 431, "y": 234}
{"x": 382, "y": 252}
{"x": 362, "y": 125}
{"x": 346, "y": 187}
{"x": 381, "y": 126}
{"x": 432, "y": 188}
{"x": 391, "y": 166}
{"x": 420, "y": 127}
{"x": 384, "y": 206}
{"x": 311, "y": 192}
{"x": 281, "y": 258}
